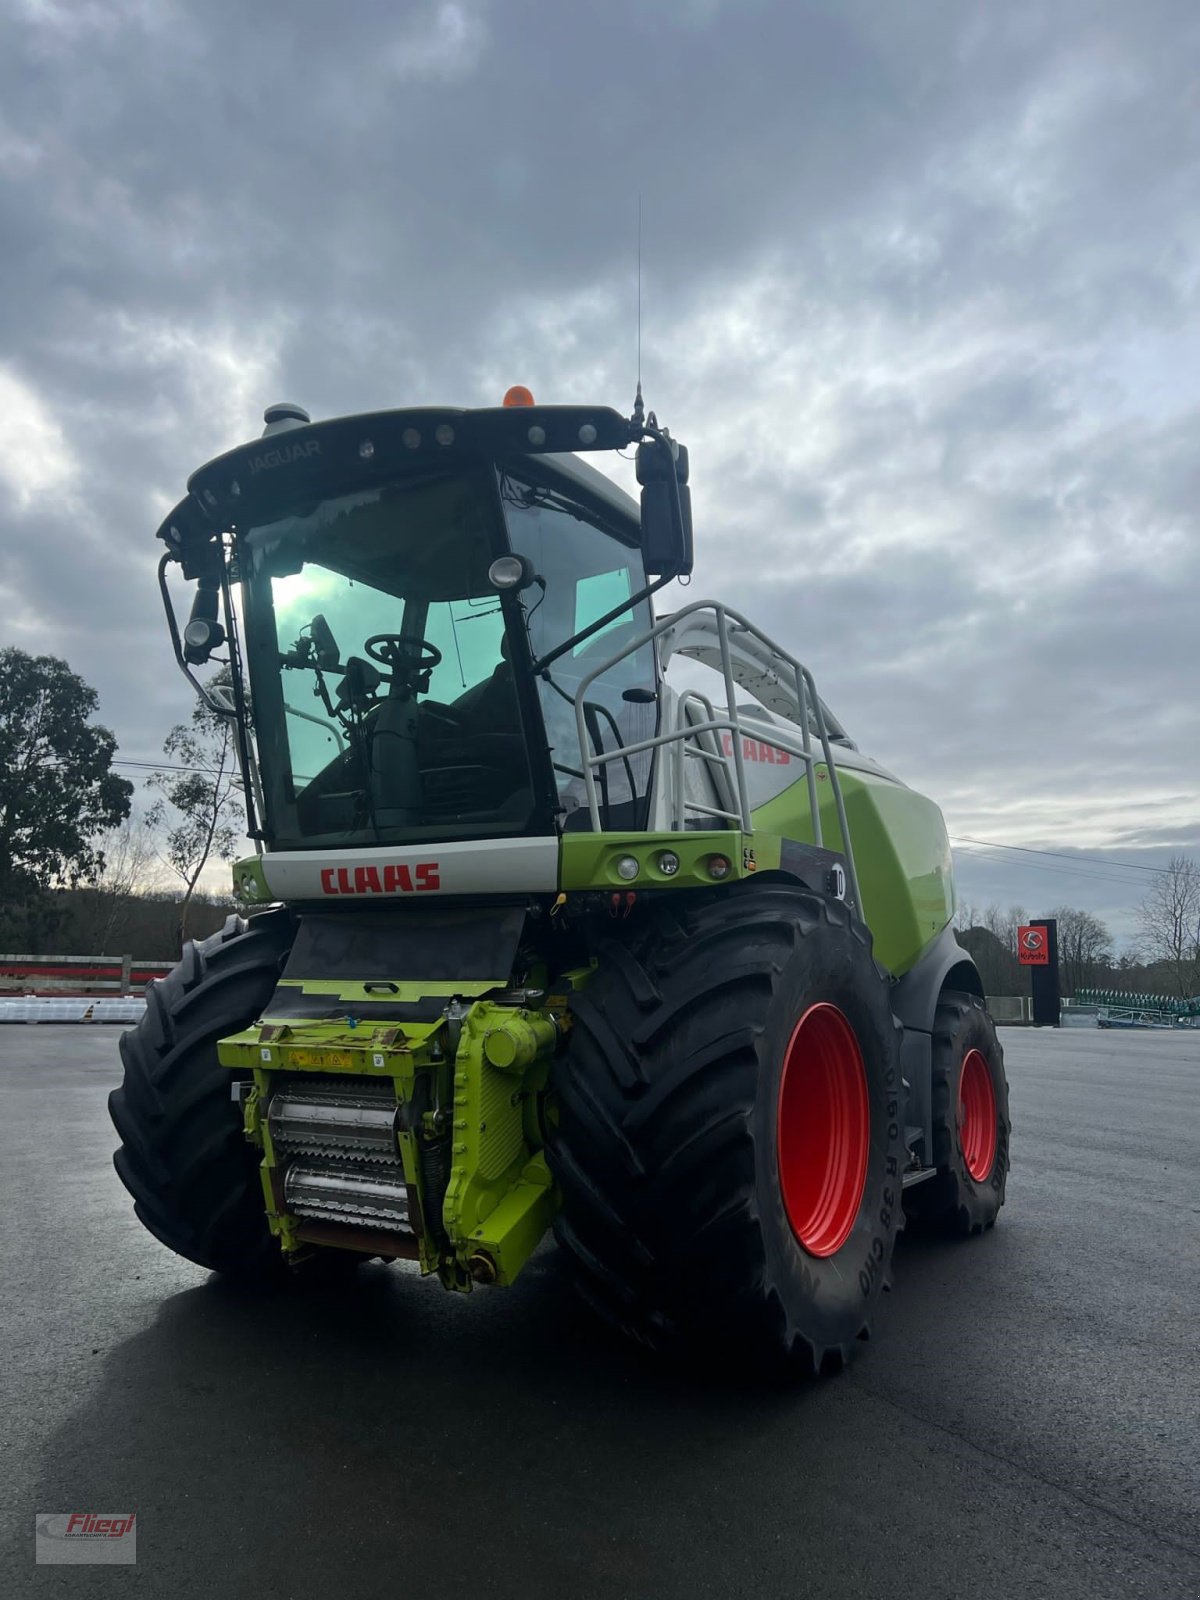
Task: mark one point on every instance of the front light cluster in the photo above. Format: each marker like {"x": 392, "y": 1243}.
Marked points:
{"x": 666, "y": 864}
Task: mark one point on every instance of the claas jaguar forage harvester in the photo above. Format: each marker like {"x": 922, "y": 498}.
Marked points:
{"x": 564, "y": 916}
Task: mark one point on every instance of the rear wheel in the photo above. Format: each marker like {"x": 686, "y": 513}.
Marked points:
{"x": 183, "y": 1156}
{"x": 970, "y": 1121}
{"x": 728, "y": 1132}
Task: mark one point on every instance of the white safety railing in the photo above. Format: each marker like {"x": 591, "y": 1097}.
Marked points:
{"x": 784, "y": 672}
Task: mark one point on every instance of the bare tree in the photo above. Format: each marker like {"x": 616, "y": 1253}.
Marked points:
{"x": 1084, "y": 946}
{"x": 1005, "y": 924}
{"x": 989, "y": 935}
{"x": 198, "y": 799}
{"x": 1170, "y": 922}
{"x": 103, "y": 913}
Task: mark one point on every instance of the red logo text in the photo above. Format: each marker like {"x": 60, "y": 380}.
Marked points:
{"x": 755, "y": 750}
{"x": 86, "y": 1524}
{"x": 398, "y": 879}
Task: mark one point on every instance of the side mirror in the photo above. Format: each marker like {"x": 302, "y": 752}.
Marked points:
{"x": 662, "y": 471}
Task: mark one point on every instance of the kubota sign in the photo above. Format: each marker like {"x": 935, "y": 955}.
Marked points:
{"x": 1033, "y": 948}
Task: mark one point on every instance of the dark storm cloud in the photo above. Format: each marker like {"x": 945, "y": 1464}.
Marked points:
{"x": 920, "y": 289}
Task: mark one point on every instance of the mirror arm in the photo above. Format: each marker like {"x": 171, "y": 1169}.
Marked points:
{"x": 241, "y": 720}
{"x": 177, "y": 642}
{"x": 236, "y": 687}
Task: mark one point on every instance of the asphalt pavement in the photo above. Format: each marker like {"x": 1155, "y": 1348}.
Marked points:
{"x": 1026, "y": 1421}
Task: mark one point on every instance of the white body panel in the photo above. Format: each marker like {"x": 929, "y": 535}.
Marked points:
{"x": 468, "y": 867}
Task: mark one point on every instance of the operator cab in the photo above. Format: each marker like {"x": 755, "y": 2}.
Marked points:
{"x": 422, "y": 595}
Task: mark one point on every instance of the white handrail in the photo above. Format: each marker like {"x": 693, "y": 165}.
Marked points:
{"x": 810, "y": 711}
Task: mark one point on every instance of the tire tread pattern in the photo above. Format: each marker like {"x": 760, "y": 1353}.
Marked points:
{"x": 953, "y": 1200}
{"x": 183, "y": 1156}
{"x": 654, "y": 1144}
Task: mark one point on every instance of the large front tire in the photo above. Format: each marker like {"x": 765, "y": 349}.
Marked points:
{"x": 183, "y": 1156}
{"x": 728, "y": 1129}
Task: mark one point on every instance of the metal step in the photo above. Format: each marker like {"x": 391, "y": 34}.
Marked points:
{"x": 909, "y": 1178}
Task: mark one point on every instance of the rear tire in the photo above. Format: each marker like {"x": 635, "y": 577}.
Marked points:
{"x": 971, "y": 1126}
{"x": 732, "y": 1085}
{"x": 183, "y": 1157}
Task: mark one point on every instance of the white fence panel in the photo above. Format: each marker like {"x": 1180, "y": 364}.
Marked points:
{"x": 75, "y": 1008}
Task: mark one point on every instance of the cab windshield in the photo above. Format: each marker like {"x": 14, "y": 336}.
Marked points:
{"x": 392, "y": 696}
{"x": 384, "y": 702}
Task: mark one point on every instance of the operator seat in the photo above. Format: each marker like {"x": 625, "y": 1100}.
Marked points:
{"x": 472, "y": 755}
{"x": 493, "y": 702}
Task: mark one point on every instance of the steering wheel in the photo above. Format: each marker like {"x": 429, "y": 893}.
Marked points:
{"x": 406, "y": 656}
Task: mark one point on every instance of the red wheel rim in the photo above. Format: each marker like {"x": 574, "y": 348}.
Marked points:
{"x": 823, "y": 1130}
{"x": 977, "y": 1115}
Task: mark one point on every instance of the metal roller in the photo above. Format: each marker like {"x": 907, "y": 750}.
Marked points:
{"x": 357, "y": 1124}
{"x": 338, "y": 1192}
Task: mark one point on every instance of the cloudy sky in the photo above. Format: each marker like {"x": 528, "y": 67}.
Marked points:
{"x": 921, "y": 293}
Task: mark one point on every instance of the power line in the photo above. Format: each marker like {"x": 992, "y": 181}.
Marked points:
{"x": 1030, "y": 850}
{"x": 1037, "y": 866}
{"x": 148, "y": 766}
{"x": 1065, "y": 872}
{"x": 163, "y": 766}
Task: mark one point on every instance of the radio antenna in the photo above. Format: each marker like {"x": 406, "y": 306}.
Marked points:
{"x": 639, "y": 410}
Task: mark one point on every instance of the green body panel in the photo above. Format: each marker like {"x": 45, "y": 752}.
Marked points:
{"x": 500, "y": 1199}
{"x": 901, "y": 855}
{"x": 250, "y": 881}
